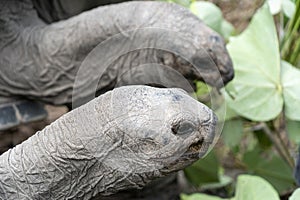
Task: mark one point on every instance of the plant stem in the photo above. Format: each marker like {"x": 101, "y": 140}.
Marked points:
{"x": 290, "y": 45}
{"x": 278, "y": 144}
{"x": 263, "y": 126}
{"x": 274, "y": 140}
{"x": 282, "y": 135}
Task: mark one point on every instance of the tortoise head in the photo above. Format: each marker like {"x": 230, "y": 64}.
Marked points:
{"x": 216, "y": 68}
{"x": 205, "y": 58}
{"x": 157, "y": 130}
{"x": 210, "y": 62}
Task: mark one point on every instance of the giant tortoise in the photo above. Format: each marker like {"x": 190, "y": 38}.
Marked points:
{"x": 68, "y": 62}
{"x": 41, "y": 54}
{"x": 121, "y": 140}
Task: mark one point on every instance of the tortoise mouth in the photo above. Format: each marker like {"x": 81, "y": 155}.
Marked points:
{"x": 193, "y": 153}
{"x": 195, "y": 147}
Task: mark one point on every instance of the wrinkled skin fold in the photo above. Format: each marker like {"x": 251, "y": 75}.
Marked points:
{"x": 121, "y": 140}
{"x": 41, "y": 61}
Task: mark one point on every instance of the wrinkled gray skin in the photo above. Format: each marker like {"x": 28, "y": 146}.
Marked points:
{"x": 40, "y": 61}
{"x": 120, "y": 140}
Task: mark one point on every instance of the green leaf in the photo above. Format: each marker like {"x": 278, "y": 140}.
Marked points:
{"x": 252, "y": 142}
{"x": 248, "y": 188}
{"x": 293, "y": 128}
{"x": 224, "y": 181}
{"x": 277, "y": 172}
{"x": 204, "y": 171}
{"x": 232, "y": 132}
{"x": 295, "y": 195}
{"x": 256, "y": 59}
{"x": 224, "y": 107}
{"x": 198, "y": 196}
{"x": 254, "y": 188}
{"x": 202, "y": 88}
{"x": 251, "y": 158}
{"x": 264, "y": 141}
{"x": 212, "y": 16}
{"x": 287, "y": 6}
{"x": 226, "y": 29}
{"x": 262, "y": 82}
{"x": 291, "y": 90}
{"x": 209, "y": 13}
{"x": 274, "y": 170}
{"x": 185, "y": 3}
{"x": 275, "y": 6}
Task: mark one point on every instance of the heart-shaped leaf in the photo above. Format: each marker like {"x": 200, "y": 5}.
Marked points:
{"x": 262, "y": 81}
{"x": 291, "y": 90}
{"x": 256, "y": 59}
{"x": 212, "y": 17}
{"x": 295, "y": 195}
{"x": 254, "y": 188}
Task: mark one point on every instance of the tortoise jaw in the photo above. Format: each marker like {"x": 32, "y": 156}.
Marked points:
{"x": 195, "y": 149}
{"x": 191, "y": 155}
{"x": 196, "y": 146}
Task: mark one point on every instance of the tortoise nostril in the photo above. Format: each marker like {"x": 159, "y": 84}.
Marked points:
{"x": 174, "y": 130}
{"x": 215, "y": 38}
{"x": 227, "y": 76}
{"x": 230, "y": 75}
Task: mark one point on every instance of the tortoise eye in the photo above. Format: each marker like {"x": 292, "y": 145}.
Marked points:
{"x": 183, "y": 128}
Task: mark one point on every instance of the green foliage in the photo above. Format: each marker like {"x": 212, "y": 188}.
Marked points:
{"x": 207, "y": 173}
{"x": 232, "y": 136}
{"x": 199, "y": 196}
{"x": 293, "y": 128}
{"x": 230, "y": 113}
{"x": 204, "y": 171}
{"x": 291, "y": 90}
{"x": 262, "y": 87}
{"x": 257, "y": 79}
{"x": 273, "y": 169}
{"x": 295, "y": 195}
{"x": 212, "y": 16}
{"x": 254, "y": 188}
{"x": 202, "y": 89}
{"x": 185, "y": 3}
{"x": 287, "y": 7}
{"x": 276, "y": 83}
{"x": 223, "y": 182}
{"x": 248, "y": 188}
{"x": 265, "y": 90}
{"x": 290, "y": 45}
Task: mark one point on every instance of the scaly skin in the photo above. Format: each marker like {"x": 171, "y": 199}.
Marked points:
{"x": 41, "y": 61}
{"x": 120, "y": 140}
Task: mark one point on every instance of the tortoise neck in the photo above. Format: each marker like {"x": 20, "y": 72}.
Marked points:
{"x": 59, "y": 162}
